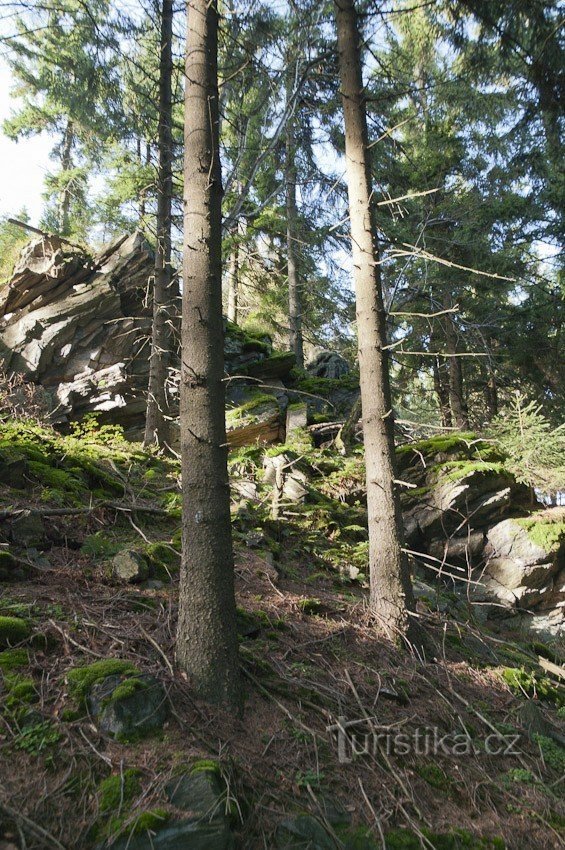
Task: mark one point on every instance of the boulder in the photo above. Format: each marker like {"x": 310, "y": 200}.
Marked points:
{"x": 127, "y": 706}
{"x": 130, "y": 566}
{"x": 328, "y": 364}
{"x": 78, "y": 324}
{"x": 257, "y": 420}
{"x": 525, "y": 570}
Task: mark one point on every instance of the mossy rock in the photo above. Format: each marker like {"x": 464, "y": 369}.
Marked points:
{"x": 10, "y": 567}
{"x": 545, "y": 532}
{"x": 201, "y": 791}
{"x": 163, "y": 560}
{"x": 81, "y": 680}
{"x": 128, "y": 707}
{"x": 13, "y": 659}
{"x": 13, "y": 630}
{"x": 118, "y": 790}
{"x": 175, "y": 835}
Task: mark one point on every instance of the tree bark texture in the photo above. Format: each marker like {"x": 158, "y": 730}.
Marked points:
{"x": 65, "y": 196}
{"x": 156, "y": 422}
{"x": 294, "y": 293}
{"x": 233, "y": 282}
{"x": 207, "y": 645}
{"x": 390, "y": 589}
{"x": 457, "y": 401}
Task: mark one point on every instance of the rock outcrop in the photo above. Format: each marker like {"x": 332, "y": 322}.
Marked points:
{"x": 472, "y": 522}
{"x": 79, "y": 326}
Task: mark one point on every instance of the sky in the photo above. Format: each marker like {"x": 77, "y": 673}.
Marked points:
{"x": 23, "y": 164}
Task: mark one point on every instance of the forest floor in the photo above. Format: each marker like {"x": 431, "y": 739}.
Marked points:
{"x": 312, "y": 659}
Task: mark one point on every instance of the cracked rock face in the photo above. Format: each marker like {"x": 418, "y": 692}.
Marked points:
{"x": 79, "y": 325}
{"x": 76, "y": 324}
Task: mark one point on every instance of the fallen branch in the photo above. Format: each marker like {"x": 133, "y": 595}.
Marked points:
{"x": 10, "y": 513}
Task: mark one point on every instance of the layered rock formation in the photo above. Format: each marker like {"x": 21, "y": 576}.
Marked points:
{"x": 476, "y": 526}
{"x": 79, "y": 326}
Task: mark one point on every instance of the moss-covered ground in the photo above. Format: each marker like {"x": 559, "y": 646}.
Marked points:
{"x": 311, "y": 656}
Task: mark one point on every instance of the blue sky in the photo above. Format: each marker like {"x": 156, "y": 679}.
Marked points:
{"x": 23, "y": 164}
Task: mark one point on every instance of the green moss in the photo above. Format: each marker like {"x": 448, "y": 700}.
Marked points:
{"x": 163, "y": 558}
{"x": 310, "y": 606}
{"x": 552, "y": 752}
{"x": 100, "y": 545}
{"x": 457, "y": 469}
{"x": 58, "y": 479}
{"x": 119, "y": 790}
{"x": 205, "y": 766}
{"x": 20, "y": 690}
{"x": 149, "y": 821}
{"x": 7, "y": 560}
{"x": 128, "y": 688}
{"x": 547, "y": 535}
{"x": 434, "y": 776}
{"x": 13, "y": 630}
{"x": 441, "y": 443}
{"x": 527, "y": 683}
{"x": 81, "y": 679}
{"x": 12, "y": 659}
{"x": 252, "y": 408}
{"x": 460, "y": 839}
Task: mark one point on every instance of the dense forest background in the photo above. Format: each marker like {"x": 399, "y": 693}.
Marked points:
{"x": 463, "y": 107}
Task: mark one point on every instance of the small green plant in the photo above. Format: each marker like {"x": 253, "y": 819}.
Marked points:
{"x": 527, "y": 683}
{"x": 100, "y": 545}
{"x": 35, "y": 738}
{"x": 552, "y": 752}
{"x": 312, "y": 778}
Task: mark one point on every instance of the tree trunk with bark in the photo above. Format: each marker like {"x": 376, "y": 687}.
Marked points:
{"x": 442, "y": 391}
{"x": 65, "y": 196}
{"x": 207, "y": 645}
{"x": 457, "y": 403}
{"x": 156, "y": 422}
{"x": 233, "y": 281}
{"x": 294, "y": 295}
{"x": 390, "y": 588}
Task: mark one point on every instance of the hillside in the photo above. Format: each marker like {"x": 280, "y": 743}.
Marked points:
{"x": 104, "y": 745}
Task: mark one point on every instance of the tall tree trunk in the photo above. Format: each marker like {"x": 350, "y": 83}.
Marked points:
{"x": 491, "y": 395}
{"x": 207, "y": 646}
{"x": 390, "y": 589}
{"x": 294, "y": 295}
{"x": 65, "y": 196}
{"x": 442, "y": 392}
{"x": 233, "y": 281}
{"x": 156, "y": 422}
{"x": 457, "y": 401}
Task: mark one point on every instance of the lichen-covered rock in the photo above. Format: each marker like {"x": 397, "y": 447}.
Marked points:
{"x": 130, "y": 566}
